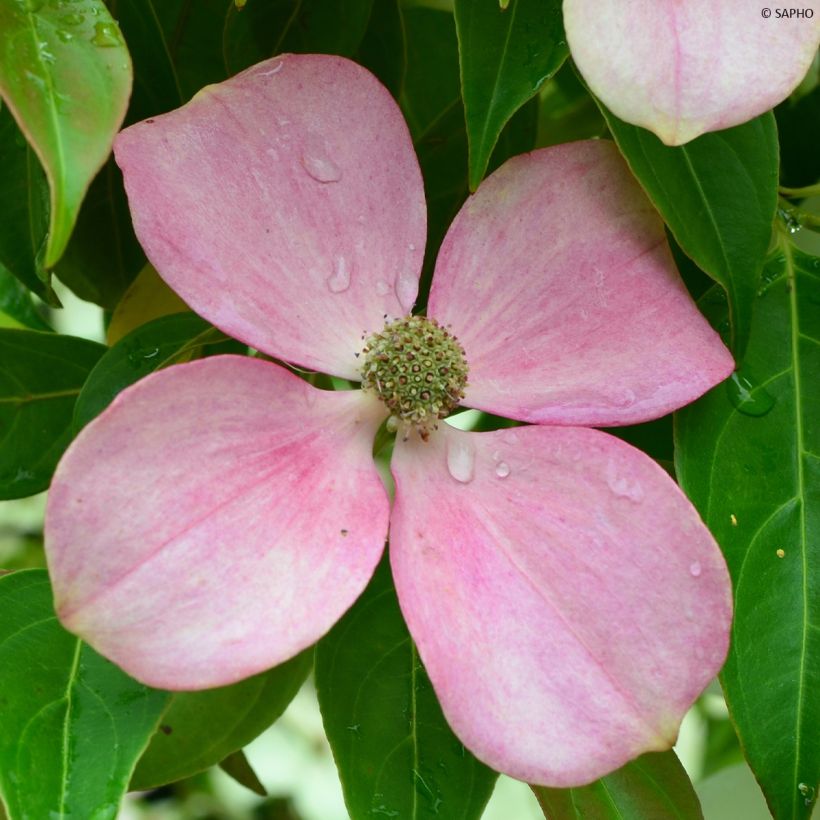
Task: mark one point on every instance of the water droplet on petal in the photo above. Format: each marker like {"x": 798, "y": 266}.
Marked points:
{"x": 382, "y": 287}
{"x": 695, "y": 569}
{"x": 411, "y": 247}
{"x": 502, "y": 469}
{"x": 275, "y": 69}
{"x": 510, "y": 437}
{"x": 339, "y": 280}
{"x": 747, "y": 397}
{"x": 624, "y": 487}
{"x": 407, "y": 287}
{"x": 321, "y": 167}
{"x": 461, "y": 459}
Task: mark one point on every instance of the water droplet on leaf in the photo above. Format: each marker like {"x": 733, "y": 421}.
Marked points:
{"x": 747, "y": 397}
{"x": 106, "y": 35}
{"x": 461, "y": 459}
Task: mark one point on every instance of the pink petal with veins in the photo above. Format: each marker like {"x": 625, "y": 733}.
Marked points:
{"x": 284, "y": 205}
{"x": 567, "y": 602}
{"x": 684, "y": 67}
{"x": 557, "y": 279}
{"x": 215, "y": 520}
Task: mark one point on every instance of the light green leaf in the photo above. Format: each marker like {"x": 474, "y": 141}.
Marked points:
{"x": 66, "y": 75}
{"x": 73, "y": 723}
{"x": 748, "y": 455}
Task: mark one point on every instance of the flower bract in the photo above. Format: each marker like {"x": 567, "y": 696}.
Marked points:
{"x": 684, "y": 67}
{"x": 567, "y": 602}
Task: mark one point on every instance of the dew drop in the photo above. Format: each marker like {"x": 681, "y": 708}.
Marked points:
{"x": 33, "y": 5}
{"x": 64, "y": 35}
{"x": 321, "y": 167}
{"x": 461, "y": 459}
{"x": 411, "y": 247}
{"x": 695, "y": 569}
{"x": 275, "y": 69}
{"x": 382, "y": 287}
{"x": 624, "y": 487}
{"x": 106, "y": 35}
{"x": 406, "y": 287}
{"x": 502, "y": 469}
{"x": 339, "y": 280}
{"x": 509, "y": 437}
{"x": 72, "y": 19}
{"x": 747, "y": 397}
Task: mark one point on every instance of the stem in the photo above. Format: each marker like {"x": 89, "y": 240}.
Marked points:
{"x": 800, "y": 193}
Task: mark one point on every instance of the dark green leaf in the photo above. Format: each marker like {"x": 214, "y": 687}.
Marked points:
{"x": 202, "y": 728}
{"x": 156, "y": 85}
{"x": 193, "y": 31}
{"x": 267, "y": 27}
{"x": 40, "y": 378}
{"x": 167, "y": 340}
{"x": 567, "y": 111}
{"x": 66, "y": 75}
{"x": 238, "y": 767}
{"x": 748, "y": 455}
{"x": 383, "y": 49}
{"x": 24, "y": 193}
{"x": 396, "y": 754}
{"x": 15, "y": 302}
{"x": 718, "y": 195}
{"x": 505, "y": 55}
{"x": 652, "y": 786}
{"x": 103, "y": 255}
{"x": 73, "y": 723}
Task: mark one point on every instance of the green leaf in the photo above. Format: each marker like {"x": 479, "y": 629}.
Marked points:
{"x": 15, "y": 302}
{"x": 718, "y": 194}
{"x": 264, "y": 28}
{"x": 24, "y": 193}
{"x": 395, "y": 753}
{"x": 653, "y": 785}
{"x": 383, "y": 49}
{"x": 66, "y": 75}
{"x": 40, "y": 378}
{"x": 748, "y": 455}
{"x": 239, "y": 768}
{"x": 200, "y": 729}
{"x": 103, "y": 256}
{"x": 505, "y": 56}
{"x": 73, "y": 723}
{"x": 157, "y": 344}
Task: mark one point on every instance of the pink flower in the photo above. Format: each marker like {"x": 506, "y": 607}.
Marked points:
{"x": 684, "y": 67}
{"x": 220, "y": 516}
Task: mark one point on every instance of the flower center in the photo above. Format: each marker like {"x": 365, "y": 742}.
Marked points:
{"x": 418, "y": 369}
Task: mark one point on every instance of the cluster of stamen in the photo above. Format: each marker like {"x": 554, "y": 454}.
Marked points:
{"x": 418, "y": 369}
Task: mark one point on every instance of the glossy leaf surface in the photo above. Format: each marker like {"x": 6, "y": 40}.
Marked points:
{"x": 653, "y": 785}
{"x": 748, "y": 455}
{"x": 66, "y": 75}
{"x": 73, "y": 723}
{"x": 24, "y": 192}
{"x": 263, "y": 28}
{"x": 505, "y": 56}
{"x": 16, "y": 303}
{"x": 40, "y": 378}
{"x": 396, "y": 754}
{"x": 201, "y": 729}
{"x": 718, "y": 195}
{"x": 165, "y": 341}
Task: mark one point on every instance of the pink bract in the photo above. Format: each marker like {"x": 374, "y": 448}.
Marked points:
{"x": 684, "y": 67}
{"x": 219, "y": 516}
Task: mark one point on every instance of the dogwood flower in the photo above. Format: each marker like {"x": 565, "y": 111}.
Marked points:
{"x": 221, "y": 515}
{"x": 684, "y": 67}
